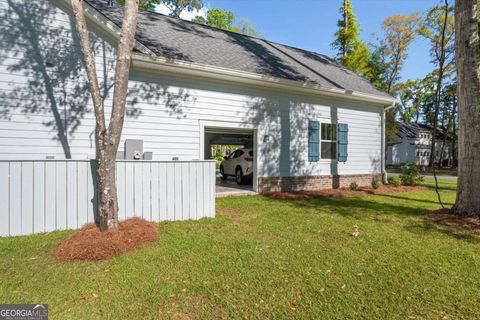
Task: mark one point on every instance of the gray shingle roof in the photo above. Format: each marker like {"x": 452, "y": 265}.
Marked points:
{"x": 184, "y": 40}
{"x": 412, "y": 130}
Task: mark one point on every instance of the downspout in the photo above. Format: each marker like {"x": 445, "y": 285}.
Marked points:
{"x": 384, "y": 137}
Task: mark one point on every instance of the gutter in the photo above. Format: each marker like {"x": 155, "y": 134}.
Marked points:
{"x": 384, "y": 138}
{"x": 149, "y": 62}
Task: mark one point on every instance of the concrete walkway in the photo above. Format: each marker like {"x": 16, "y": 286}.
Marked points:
{"x": 228, "y": 188}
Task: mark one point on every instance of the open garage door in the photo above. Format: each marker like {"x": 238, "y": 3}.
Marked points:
{"x": 234, "y": 150}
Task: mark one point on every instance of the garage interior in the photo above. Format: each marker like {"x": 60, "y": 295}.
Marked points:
{"x": 221, "y": 142}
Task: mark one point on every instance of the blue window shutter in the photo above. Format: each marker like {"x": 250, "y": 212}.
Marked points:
{"x": 342, "y": 142}
{"x": 313, "y": 141}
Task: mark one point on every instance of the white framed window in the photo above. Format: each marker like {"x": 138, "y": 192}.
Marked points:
{"x": 328, "y": 141}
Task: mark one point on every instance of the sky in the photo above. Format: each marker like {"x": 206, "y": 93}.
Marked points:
{"x": 311, "y": 24}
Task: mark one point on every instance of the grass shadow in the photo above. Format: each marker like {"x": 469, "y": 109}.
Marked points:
{"x": 407, "y": 198}
{"x": 355, "y": 206}
{"x": 370, "y": 207}
{"x": 427, "y": 226}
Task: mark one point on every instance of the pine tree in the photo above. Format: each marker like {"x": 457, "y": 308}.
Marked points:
{"x": 353, "y": 54}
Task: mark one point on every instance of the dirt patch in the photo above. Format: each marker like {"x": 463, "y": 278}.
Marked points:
{"x": 89, "y": 243}
{"x": 306, "y": 195}
{"x": 180, "y": 316}
{"x": 228, "y": 212}
{"x": 446, "y": 217}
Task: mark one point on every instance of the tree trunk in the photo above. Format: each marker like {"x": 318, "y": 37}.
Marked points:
{"x": 467, "y": 46}
{"x": 454, "y": 134}
{"x": 108, "y": 201}
{"x": 108, "y": 139}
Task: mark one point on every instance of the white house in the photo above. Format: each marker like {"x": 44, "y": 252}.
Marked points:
{"x": 413, "y": 143}
{"x": 311, "y": 123}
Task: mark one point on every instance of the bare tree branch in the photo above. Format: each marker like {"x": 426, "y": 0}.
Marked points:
{"x": 89, "y": 58}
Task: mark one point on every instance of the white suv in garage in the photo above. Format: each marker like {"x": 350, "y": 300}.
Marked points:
{"x": 238, "y": 164}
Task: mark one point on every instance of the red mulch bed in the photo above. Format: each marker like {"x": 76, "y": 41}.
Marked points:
{"x": 306, "y": 195}
{"x": 446, "y": 217}
{"x": 89, "y": 243}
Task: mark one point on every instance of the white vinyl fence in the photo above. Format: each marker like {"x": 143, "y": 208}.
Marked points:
{"x": 46, "y": 195}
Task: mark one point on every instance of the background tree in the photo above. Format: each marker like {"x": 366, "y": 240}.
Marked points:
{"x": 200, "y": 19}
{"x": 438, "y": 27}
{"x": 247, "y": 28}
{"x": 223, "y": 19}
{"x": 176, "y": 7}
{"x": 107, "y": 139}
{"x": 428, "y": 104}
{"x": 399, "y": 32}
{"x": 219, "y": 18}
{"x": 353, "y": 54}
{"x": 388, "y": 58}
{"x": 144, "y": 4}
{"x": 377, "y": 68}
{"x": 412, "y": 96}
{"x": 448, "y": 122}
{"x": 467, "y": 47}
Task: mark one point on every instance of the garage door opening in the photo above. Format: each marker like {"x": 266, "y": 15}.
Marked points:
{"x": 234, "y": 151}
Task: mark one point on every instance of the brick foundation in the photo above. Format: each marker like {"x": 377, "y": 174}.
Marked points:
{"x": 312, "y": 183}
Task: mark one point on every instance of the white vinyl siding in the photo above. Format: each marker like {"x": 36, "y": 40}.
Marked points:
{"x": 166, "y": 110}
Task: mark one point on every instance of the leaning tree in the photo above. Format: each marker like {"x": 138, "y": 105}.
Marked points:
{"x": 467, "y": 46}
{"x": 107, "y": 138}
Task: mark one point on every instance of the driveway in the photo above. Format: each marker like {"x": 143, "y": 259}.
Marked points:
{"x": 229, "y": 187}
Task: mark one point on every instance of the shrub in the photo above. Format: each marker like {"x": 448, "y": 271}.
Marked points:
{"x": 218, "y": 158}
{"x": 394, "y": 181}
{"x": 375, "y": 183}
{"x": 354, "y": 186}
{"x": 410, "y": 174}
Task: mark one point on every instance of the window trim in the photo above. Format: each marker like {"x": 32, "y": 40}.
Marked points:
{"x": 326, "y": 121}
{"x": 328, "y": 160}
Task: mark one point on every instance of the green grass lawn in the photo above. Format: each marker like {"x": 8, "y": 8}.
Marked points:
{"x": 263, "y": 258}
{"x": 429, "y": 171}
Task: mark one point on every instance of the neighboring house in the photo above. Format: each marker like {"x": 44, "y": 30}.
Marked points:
{"x": 413, "y": 143}
{"x": 312, "y": 124}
